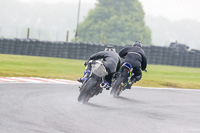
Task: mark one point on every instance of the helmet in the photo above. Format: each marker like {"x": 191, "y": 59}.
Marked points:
{"x": 110, "y": 48}
{"x": 137, "y": 44}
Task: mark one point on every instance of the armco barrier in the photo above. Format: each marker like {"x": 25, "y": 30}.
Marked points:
{"x": 155, "y": 54}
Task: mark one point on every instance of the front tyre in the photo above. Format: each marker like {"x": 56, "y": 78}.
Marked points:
{"x": 117, "y": 87}
{"x": 86, "y": 90}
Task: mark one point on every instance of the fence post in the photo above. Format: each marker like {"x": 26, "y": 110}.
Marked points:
{"x": 67, "y": 37}
{"x": 28, "y": 32}
{"x": 103, "y": 39}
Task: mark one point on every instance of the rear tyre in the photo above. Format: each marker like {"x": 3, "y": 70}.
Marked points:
{"x": 86, "y": 90}
{"x": 116, "y": 88}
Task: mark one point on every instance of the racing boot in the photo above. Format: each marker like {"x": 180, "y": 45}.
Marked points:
{"x": 129, "y": 84}
{"x": 105, "y": 85}
{"x": 85, "y": 77}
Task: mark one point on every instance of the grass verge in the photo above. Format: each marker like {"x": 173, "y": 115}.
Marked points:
{"x": 61, "y": 68}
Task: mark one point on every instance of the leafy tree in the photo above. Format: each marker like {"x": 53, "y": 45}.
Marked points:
{"x": 120, "y": 21}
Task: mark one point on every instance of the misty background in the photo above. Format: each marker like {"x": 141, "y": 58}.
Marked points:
{"x": 50, "y": 20}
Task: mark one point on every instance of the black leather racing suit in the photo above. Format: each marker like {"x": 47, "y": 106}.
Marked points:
{"x": 137, "y": 58}
{"x": 111, "y": 61}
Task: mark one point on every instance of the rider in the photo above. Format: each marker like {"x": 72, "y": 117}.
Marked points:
{"x": 111, "y": 61}
{"x": 137, "y": 58}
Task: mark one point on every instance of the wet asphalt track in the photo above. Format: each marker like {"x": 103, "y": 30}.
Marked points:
{"x": 53, "y": 108}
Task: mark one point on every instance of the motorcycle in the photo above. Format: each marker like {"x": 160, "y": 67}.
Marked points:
{"x": 122, "y": 79}
{"x": 93, "y": 85}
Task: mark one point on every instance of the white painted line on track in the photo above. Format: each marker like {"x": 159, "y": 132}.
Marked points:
{"x": 64, "y": 81}
{"x": 35, "y": 80}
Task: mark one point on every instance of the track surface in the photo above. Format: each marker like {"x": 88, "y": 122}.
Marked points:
{"x": 53, "y": 108}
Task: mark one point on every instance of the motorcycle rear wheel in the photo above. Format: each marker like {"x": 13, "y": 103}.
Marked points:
{"x": 85, "y": 92}
{"x": 117, "y": 87}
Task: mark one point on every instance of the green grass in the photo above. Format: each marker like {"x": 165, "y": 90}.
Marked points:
{"x": 26, "y": 66}
{"x": 171, "y": 76}
{"x": 61, "y": 68}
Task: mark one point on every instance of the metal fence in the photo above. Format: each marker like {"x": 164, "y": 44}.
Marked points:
{"x": 155, "y": 54}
